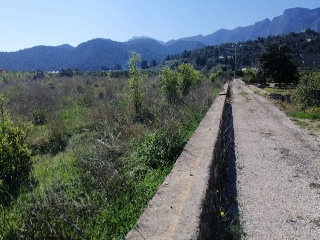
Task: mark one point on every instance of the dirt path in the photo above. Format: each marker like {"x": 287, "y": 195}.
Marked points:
{"x": 278, "y": 171}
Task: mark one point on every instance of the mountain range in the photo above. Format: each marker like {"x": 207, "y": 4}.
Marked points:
{"x": 292, "y": 20}
{"x": 101, "y": 53}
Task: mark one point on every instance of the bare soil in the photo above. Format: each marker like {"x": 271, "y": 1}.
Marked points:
{"x": 278, "y": 170}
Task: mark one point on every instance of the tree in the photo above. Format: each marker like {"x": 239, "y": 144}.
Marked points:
{"x": 15, "y": 156}
{"x": 188, "y": 77}
{"x": 177, "y": 83}
{"x": 249, "y": 76}
{"x": 153, "y": 63}
{"x": 144, "y": 64}
{"x": 275, "y": 63}
{"x": 66, "y": 72}
{"x": 136, "y": 86}
{"x": 216, "y": 75}
{"x": 170, "y": 84}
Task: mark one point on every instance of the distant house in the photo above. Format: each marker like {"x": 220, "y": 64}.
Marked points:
{"x": 252, "y": 68}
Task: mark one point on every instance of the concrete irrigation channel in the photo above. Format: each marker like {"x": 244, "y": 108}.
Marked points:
{"x": 246, "y": 161}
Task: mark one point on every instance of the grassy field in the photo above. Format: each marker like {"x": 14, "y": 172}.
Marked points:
{"x": 308, "y": 118}
{"x": 95, "y": 166}
{"x": 283, "y": 91}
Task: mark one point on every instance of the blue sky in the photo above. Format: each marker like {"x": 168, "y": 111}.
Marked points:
{"x": 27, "y": 23}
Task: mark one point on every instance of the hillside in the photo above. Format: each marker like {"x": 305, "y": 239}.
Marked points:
{"x": 95, "y": 54}
{"x": 305, "y": 52}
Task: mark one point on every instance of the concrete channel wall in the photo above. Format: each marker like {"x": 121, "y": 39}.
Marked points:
{"x": 184, "y": 205}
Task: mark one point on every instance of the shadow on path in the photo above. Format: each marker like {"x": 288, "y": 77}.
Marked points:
{"x": 228, "y": 225}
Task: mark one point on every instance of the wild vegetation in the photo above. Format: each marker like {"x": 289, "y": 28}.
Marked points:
{"x": 304, "y": 108}
{"x": 15, "y": 160}
{"x": 307, "y": 94}
{"x": 84, "y": 154}
{"x": 304, "y": 99}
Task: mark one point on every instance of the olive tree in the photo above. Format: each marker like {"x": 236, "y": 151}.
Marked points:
{"x": 275, "y": 63}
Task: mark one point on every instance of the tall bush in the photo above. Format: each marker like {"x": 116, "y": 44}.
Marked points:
{"x": 136, "y": 86}
{"x": 307, "y": 93}
{"x": 249, "y": 76}
{"x": 216, "y": 75}
{"x": 178, "y": 83}
{"x": 15, "y": 156}
{"x": 188, "y": 77}
{"x": 170, "y": 84}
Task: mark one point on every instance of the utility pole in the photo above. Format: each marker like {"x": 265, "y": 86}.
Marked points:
{"x": 235, "y": 60}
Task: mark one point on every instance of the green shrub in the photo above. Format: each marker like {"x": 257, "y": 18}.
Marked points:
{"x": 249, "y": 76}
{"x": 216, "y": 75}
{"x": 58, "y": 136}
{"x": 59, "y": 212}
{"x": 155, "y": 151}
{"x": 188, "y": 77}
{"x": 4, "y": 77}
{"x": 52, "y": 138}
{"x": 170, "y": 84}
{"x": 104, "y": 175}
{"x": 39, "y": 118}
{"x": 15, "y": 156}
{"x": 177, "y": 83}
{"x": 307, "y": 93}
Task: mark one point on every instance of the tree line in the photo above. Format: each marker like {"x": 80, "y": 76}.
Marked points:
{"x": 305, "y": 47}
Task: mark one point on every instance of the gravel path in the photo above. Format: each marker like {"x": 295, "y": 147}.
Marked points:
{"x": 278, "y": 171}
